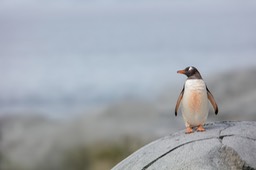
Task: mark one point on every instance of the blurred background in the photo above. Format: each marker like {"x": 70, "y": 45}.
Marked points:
{"x": 83, "y": 84}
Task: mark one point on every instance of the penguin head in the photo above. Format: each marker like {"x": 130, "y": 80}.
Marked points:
{"x": 191, "y": 72}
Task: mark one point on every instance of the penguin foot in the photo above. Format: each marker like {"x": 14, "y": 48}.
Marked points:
{"x": 200, "y": 128}
{"x": 189, "y": 130}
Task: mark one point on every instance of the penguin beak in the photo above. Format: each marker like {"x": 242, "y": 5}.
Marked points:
{"x": 181, "y": 71}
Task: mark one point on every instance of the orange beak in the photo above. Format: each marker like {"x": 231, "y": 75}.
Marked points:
{"x": 181, "y": 71}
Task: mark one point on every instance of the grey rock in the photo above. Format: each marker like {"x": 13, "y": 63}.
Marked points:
{"x": 224, "y": 145}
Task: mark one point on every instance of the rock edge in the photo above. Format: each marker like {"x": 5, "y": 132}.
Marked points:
{"x": 224, "y": 145}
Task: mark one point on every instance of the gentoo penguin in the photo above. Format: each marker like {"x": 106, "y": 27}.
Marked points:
{"x": 193, "y": 98}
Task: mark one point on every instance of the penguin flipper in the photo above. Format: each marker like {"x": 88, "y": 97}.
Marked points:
{"x": 211, "y": 99}
{"x": 178, "y": 101}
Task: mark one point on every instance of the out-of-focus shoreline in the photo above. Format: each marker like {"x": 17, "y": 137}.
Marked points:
{"x": 137, "y": 121}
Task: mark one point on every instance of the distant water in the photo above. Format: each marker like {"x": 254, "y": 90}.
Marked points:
{"x": 64, "y": 60}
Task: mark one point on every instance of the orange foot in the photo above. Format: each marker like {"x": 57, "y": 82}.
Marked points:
{"x": 200, "y": 128}
{"x": 189, "y": 130}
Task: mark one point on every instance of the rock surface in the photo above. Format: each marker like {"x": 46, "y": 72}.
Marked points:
{"x": 224, "y": 145}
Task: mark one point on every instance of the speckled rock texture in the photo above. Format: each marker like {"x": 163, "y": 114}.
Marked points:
{"x": 224, "y": 145}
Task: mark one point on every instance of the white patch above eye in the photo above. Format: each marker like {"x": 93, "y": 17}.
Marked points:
{"x": 190, "y": 68}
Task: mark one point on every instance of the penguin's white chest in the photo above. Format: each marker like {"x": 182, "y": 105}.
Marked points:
{"x": 195, "y": 103}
